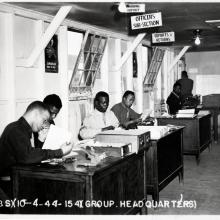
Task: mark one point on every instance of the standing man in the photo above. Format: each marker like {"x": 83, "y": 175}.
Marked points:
{"x": 174, "y": 101}
{"x": 126, "y": 116}
{"x": 15, "y": 141}
{"x": 100, "y": 119}
{"x": 54, "y": 105}
{"x": 186, "y": 86}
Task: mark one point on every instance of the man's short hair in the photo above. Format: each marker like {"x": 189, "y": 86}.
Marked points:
{"x": 127, "y": 93}
{"x": 37, "y": 105}
{"x": 100, "y": 94}
{"x": 176, "y": 84}
{"x": 184, "y": 73}
{"x": 53, "y": 100}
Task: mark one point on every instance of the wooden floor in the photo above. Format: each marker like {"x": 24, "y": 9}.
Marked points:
{"x": 201, "y": 184}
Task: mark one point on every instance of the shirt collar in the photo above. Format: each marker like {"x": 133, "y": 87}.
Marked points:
{"x": 98, "y": 112}
{"x": 124, "y": 106}
{"x": 26, "y": 126}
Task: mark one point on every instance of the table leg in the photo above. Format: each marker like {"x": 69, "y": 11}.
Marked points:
{"x": 215, "y": 124}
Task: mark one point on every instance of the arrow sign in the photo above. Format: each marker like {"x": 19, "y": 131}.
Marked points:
{"x": 146, "y": 21}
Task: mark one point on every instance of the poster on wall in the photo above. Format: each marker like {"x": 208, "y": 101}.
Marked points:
{"x": 51, "y": 56}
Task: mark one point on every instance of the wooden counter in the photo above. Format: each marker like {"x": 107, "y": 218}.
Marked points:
{"x": 196, "y": 135}
{"x": 115, "y": 179}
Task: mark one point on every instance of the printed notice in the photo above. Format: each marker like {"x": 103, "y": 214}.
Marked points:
{"x": 146, "y": 21}
{"x": 163, "y": 37}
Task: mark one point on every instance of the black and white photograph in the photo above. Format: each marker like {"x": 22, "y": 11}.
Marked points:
{"x": 109, "y": 108}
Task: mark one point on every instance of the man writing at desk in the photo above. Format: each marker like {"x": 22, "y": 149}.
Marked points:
{"x": 16, "y": 145}
{"x": 100, "y": 119}
{"x": 126, "y": 116}
{"x": 174, "y": 101}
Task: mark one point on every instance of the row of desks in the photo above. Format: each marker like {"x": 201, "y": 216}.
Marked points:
{"x": 113, "y": 187}
{"x": 196, "y": 134}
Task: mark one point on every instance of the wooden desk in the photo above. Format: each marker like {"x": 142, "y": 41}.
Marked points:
{"x": 196, "y": 135}
{"x": 212, "y": 103}
{"x": 215, "y": 111}
{"x": 164, "y": 161}
{"x": 116, "y": 179}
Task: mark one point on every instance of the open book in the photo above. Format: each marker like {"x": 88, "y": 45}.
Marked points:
{"x": 56, "y": 137}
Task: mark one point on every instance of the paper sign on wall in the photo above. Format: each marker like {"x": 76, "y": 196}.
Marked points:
{"x": 146, "y": 21}
{"x": 163, "y": 37}
{"x": 132, "y": 8}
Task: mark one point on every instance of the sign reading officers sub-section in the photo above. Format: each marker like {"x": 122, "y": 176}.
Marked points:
{"x": 165, "y": 37}
{"x": 146, "y": 21}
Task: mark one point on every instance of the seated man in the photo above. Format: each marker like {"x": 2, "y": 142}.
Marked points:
{"x": 126, "y": 116}
{"x": 15, "y": 142}
{"x": 100, "y": 120}
{"x": 174, "y": 101}
{"x": 54, "y": 104}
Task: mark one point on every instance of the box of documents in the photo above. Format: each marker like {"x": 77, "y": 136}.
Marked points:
{"x": 111, "y": 149}
{"x": 139, "y": 139}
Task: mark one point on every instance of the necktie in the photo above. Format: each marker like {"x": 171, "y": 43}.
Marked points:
{"x": 104, "y": 118}
{"x": 32, "y": 140}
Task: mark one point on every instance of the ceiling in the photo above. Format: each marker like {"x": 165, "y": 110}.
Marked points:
{"x": 182, "y": 18}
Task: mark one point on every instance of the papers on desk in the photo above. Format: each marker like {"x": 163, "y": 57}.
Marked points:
{"x": 56, "y": 137}
{"x": 156, "y": 132}
{"x": 186, "y": 113}
{"x": 146, "y": 113}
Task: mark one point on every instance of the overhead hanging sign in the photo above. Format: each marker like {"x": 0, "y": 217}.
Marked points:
{"x": 146, "y": 21}
{"x": 163, "y": 37}
{"x": 132, "y": 8}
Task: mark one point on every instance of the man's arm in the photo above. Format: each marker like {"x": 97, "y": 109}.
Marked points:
{"x": 88, "y": 129}
{"x": 25, "y": 153}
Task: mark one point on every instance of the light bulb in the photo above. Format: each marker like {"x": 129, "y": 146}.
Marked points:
{"x": 197, "y": 41}
{"x": 122, "y": 7}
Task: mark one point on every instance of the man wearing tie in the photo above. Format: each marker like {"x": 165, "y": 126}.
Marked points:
{"x": 100, "y": 119}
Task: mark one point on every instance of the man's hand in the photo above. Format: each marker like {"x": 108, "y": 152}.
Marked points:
{"x": 66, "y": 148}
{"x": 42, "y": 134}
{"x": 132, "y": 123}
{"x": 108, "y": 128}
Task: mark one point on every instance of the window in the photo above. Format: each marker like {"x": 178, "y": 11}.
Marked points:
{"x": 87, "y": 66}
{"x": 153, "y": 69}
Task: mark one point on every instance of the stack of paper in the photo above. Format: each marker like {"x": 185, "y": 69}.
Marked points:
{"x": 186, "y": 113}
{"x": 56, "y": 137}
{"x": 156, "y": 132}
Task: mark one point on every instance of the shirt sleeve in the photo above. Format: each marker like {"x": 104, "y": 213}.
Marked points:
{"x": 88, "y": 131}
{"x": 133, "y": 115}
{"x": 25, "y": 153}
{"x": 114, "y": 120}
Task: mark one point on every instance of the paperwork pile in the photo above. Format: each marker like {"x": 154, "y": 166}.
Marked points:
{"x": 156, "y": 132}
{"x": 186, "y": 113}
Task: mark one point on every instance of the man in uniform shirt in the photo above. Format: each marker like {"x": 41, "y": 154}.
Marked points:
{"x": 186, "y": 86}
{"x": 174, "y": 101}
{"x": 15, "y": 141}
{"x": 124, "y": 113}
{"x": 100, "y": 119}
